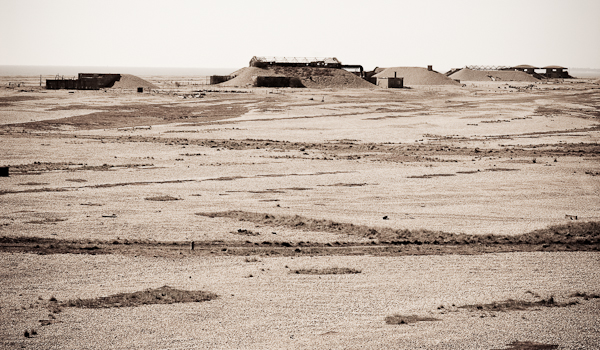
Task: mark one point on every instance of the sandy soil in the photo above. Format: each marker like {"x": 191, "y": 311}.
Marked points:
{"x": 94, "y": 167}
{"x": 276, "y": 309}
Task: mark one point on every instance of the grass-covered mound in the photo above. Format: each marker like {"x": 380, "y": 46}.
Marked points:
{"x": 162, "y": 295}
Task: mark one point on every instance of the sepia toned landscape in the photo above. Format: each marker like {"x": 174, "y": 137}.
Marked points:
{"x": 447, "y": 214}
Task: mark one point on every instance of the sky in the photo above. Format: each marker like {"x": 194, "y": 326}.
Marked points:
{"x": 228, "y": 33}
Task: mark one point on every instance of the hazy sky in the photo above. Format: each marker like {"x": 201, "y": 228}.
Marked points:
{"x": 227, "y": 33}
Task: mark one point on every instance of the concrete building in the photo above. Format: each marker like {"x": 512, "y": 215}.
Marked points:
{"x": 390, "y": 82}
{"x": 217, "y": 79}
{"x": 85, "y": 81}
{"x": 525, "y": 68}
{"x": 556, "y": 72}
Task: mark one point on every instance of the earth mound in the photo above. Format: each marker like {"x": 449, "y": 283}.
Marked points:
{"x": 129, "y": 81}
{"x": 311, "y": 77}
{"x": 491, "y": 75}
{"x": 416, "y": 76}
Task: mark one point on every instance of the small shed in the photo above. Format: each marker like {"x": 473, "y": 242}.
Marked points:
{"x": 390, "y": 82}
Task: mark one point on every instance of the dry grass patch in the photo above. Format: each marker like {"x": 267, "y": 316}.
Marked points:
{"x": 585, "y": 295}
{"x": 34, "y": 190}
{"x": 162, "y": 295}
{"x": 131, "y": 115}
{"x": 76, "y": 180}
{"x": 527, "y": 345}
{"x": 428, "y": 176}
{"x": 46, "y": 221}
{"x": 401, "y": 319}
{"x": 580, "y": 233}
{"x": 514, "y": 305}
{"x": 327, "y": 271}
{"x": 162, "y": 198}
{"x": 244, "y": 232}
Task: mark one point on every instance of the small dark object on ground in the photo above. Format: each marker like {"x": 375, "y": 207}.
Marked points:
{"x": 245, "y": 232}
{"x": 400, "y": 319}
{"x": 327, "y": 271}
{"x": 162, "y": 198}
{"x": 527, "y": 345}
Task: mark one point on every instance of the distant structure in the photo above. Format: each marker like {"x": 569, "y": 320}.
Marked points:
{"x": 525, "y": 68}
{"x": 217, "y": 79}
{"x": 263, "y": 62}
{"x": 551, "y": 72}
{"x": 556, "y": 72}
{"x": 390, "y": 83}
{"x": 321, "y": 62}
{"x": 85, "y": 81}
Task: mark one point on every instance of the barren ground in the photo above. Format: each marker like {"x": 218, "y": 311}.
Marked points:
{"x": 436, "y": 197}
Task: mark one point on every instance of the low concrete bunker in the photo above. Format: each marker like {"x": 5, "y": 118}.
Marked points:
{"x": 390, "y": 82}
{"x": 84, "y": 81}
{"x": 276, "y": 81}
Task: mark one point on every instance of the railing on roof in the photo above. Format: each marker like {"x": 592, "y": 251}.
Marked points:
{"x": 258, "y": 61}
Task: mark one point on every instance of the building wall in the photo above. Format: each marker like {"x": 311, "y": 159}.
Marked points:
{"x": 390, "y": 83}
{"x": 73, "y": 84}
{"x": 217, "y": 79}
{"x": 104, "y": 80}
{"x": 556, "y": 73}
{"x": 269, "y": 81}
{"x": 86, "y": 81}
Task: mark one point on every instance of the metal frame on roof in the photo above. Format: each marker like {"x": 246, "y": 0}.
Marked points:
{"x": 262, "y": 61}
{"x": 273, "y": 59}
